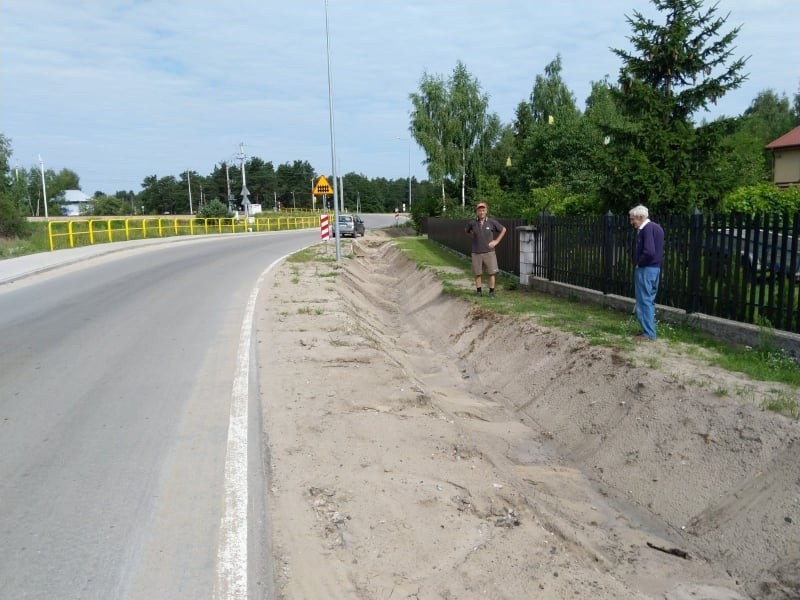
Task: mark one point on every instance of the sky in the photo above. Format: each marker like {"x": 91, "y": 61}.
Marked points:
{"x": 118, "y": 90}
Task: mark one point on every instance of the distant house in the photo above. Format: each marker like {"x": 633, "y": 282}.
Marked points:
{"x": 73, "y": 201}
{"x": 786, "y": 158}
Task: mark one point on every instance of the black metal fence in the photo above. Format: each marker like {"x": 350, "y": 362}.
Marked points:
{"x": 736, "y": 267}
{"x": 450, "y": 233}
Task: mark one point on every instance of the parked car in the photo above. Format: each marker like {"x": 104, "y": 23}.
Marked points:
{"x": 350, "y": 226}
{"x": 760, "y": 254}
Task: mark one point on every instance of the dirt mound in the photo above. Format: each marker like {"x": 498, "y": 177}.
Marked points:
{"x": 423, "y": 447}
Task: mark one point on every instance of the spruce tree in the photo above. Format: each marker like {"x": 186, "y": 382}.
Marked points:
{"x": 657, "y": 155}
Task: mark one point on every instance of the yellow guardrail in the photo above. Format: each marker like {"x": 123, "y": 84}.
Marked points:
{"x": 85, "y": 232}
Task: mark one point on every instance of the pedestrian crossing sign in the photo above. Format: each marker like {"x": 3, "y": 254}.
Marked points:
{"x": 323, "y": 188}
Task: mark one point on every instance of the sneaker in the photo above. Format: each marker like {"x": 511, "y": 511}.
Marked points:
{"x": 479, "y": 292}
{"x": 491, "y": 293}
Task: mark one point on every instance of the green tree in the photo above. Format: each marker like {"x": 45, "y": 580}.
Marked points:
{"x": 451, "y": 122}
{"x": 473, "y": 130}
{"x": 551, "y": 98}
{"x": 103, "y": 205}
{"x": 656, "y": 155}
{"x": 163, "y": 196}
{"x": 293, "y": 183}
{"x": 555, "y": 146}
{"x": 12, "y": 222}
{"x": 797, "y": 106}
{"x": 747, "y": 162}
{"x": 430, "y": 125}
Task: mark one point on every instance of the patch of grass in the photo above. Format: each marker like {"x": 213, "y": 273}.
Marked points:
{"x": 37, "y": 242}
{"x": 308, "y": 310}
{"x": 310, "y": 254}
{"x": 597, "y": 325}
{"x": 428, "y": 254}
{"x": 783, "y": 404}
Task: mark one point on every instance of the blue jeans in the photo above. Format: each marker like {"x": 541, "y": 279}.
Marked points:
{"x": 645, "y": 285}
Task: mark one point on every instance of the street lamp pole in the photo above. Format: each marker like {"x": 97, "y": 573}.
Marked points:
{"x": 409, "y": 174}
{"x": 409, "y": 169}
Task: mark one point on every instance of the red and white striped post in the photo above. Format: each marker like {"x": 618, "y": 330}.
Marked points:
{"x": 324, "y": 228}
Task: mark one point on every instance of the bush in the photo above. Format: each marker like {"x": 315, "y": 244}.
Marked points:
{"x": 762, "y": 198}
{"x": 12, "y": 223}
{"x": 107, "y": 206}
{"x": 214, "y": 209}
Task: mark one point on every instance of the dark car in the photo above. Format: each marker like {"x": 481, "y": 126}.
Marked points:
{"x": 761, "y": 255}
{"x": 350, "y": 226}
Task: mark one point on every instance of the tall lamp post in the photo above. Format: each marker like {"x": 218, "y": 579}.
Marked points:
{"x": 409, "y": 169}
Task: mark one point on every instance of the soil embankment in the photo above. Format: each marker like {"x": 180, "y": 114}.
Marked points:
{"x": 423, "y": 447}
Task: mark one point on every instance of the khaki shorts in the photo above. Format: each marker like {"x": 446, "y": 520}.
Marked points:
{"x": 484, "y": 259}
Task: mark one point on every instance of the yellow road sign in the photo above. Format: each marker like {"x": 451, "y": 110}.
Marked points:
{"x": 323, "y": 188}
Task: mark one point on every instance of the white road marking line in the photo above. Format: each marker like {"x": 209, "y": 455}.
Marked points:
{"x": 231, "y": 582}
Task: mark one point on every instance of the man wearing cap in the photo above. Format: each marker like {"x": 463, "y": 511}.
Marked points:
{"x": 482, "y": 230}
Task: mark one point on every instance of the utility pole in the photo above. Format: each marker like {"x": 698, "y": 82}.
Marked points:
{"x": 409, "y": 174}
{"x": 228, "y": 181}
{"x": 409, "y": 169}
{"x": 341, "y": 193}
{"x": 44, "y": 187}
{"x": 189, "y": 183}
{"x": 245, "y": 191}
{"x": 333, "y": 139}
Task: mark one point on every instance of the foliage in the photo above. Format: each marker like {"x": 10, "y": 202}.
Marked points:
{"x": 214, "y": 209}
{"x": 551, "y": 98}
{"x": 762, "y": 198}
{"x": 657, "y": 155}
{"x": 431, "y": 206}
{"x": 429, "y": 125}
{"x": 107, "y": 206}
{"x": 450, "y": 121}
{"x": 12, "y": 223}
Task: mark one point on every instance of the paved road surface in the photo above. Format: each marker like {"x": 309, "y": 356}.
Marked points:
{"x": 115, "y": 396}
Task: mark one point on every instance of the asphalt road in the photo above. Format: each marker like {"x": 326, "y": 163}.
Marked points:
{"x": 117, "y": 380}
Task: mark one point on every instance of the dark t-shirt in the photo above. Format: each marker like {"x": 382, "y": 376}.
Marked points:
{"x": 484, "y": 233}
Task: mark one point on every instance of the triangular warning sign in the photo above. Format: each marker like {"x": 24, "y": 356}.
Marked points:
{"x": 323, "y": 188}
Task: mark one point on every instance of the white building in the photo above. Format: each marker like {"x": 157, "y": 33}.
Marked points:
{"x": 73, "y": 201}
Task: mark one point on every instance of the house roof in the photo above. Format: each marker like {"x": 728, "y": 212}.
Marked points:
{"x": 75, "y": 196}
{"x": 787, "y": 140}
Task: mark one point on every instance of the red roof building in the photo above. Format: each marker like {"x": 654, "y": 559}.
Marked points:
{"x": 786, "y": 158}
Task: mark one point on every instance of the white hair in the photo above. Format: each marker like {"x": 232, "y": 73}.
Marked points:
{"x": 639, "y": 211}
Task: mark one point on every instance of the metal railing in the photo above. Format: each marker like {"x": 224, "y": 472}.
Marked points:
{"x": 84, "y": 232}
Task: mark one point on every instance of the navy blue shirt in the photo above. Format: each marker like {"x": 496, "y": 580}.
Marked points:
{"x": 649, "y": 251}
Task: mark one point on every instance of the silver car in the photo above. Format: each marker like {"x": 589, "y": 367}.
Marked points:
{"x": 350, "y": 226}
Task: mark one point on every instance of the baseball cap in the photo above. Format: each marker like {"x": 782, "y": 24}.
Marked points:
{"x": 481, "y": 205}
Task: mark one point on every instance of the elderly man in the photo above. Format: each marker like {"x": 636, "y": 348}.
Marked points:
{"x": 647, "y": 256}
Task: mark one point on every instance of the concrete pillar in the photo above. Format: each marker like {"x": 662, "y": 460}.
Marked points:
{"x": 528, "y": 246}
